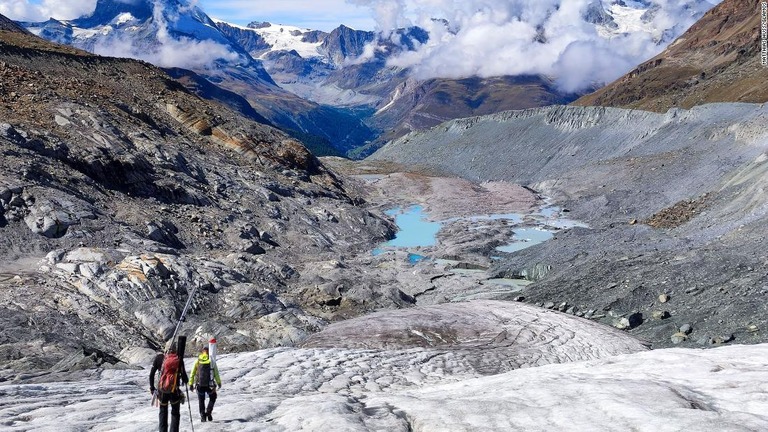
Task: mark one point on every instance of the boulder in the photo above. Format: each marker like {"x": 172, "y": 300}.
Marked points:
{"x": 246, "y": 301}
{"x": 629, "y": 322}
{"x": 158, "y": 316}
{"x": 137, "y": 356}
{"x": 52, "y": 217}
{"x": 253, "y": 248}
{"x": 679, "y": 337}
{"x": 248, "y": 232}
{"x": 164, "y": 232}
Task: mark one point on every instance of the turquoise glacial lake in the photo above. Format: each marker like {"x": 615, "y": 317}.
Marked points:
{"x": 416, "y": 230}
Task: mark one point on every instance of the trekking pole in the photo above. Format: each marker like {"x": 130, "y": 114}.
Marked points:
{"x": 189, "y": 405}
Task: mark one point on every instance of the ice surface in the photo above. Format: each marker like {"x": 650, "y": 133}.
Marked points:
{"x": 436, "y": 388}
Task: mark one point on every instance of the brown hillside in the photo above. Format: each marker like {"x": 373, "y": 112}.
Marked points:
{"x": 8, "y": 25}
{"x": 716, "y": 60}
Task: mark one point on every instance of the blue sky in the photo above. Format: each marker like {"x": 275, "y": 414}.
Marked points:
{"x": 318, "y": 14}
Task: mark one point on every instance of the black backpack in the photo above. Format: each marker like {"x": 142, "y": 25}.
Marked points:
{"x": 206, "y": 376}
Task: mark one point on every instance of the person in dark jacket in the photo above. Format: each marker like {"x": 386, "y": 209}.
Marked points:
{"x": 174, "y": 399}
{"x": 205, "y": 377}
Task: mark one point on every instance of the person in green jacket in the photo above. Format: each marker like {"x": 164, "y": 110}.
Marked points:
{"x": 205, "y": 378}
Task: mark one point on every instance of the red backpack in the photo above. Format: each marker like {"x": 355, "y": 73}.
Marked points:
{"x": 169, "y": 374}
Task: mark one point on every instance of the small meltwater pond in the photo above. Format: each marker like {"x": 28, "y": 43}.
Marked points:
{"x": 526, "y": 237}
{"x": 416, "y": 230}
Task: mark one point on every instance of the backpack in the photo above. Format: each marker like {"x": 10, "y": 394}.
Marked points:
{"x": 169, "y": 374}
{"x": 206, "y": 376}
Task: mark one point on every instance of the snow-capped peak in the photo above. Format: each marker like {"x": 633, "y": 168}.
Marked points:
{"x": 167, "y": 33}
{"x": 124, "y": 18}
{"x": 631, "y": 16}
{"x": 281, "y": 37}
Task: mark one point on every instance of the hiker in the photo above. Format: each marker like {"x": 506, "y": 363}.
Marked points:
{"x": 172, "y": 377}
{"x": 205, "y": 378}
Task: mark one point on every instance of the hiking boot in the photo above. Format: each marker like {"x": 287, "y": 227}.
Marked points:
{"x": 210, "y": 417}
{"x": 202, "y": 418}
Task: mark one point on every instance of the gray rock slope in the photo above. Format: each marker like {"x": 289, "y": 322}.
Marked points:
{"x": 675, "y": 203}
{"x": 121, "y": 192}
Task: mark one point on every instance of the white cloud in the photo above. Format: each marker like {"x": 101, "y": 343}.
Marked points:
{"x": 183, "y": 53}
{"x": 483, "y": 37}
{"x": 169, "y": 51}
{"x": 388, "y": 14}
{"x": 165, "y": 51}
{"x": 502, "y": 37}
{"x": 24, "y": 10}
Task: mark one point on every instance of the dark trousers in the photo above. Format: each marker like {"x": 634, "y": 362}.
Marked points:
{"x": 201, "y": 391}
{"x": 174, "y": 400}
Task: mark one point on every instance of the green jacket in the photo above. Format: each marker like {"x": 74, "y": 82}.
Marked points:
{"x": 203, "y": 359}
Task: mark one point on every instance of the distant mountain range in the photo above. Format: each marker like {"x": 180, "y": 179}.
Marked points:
{"x": 335, "y": 91}
{"x": 171, "y": 33}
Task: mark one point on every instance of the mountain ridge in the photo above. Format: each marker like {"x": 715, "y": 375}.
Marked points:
{"x": 343, "y": 77}
{"x": 173, "y": 28}
{"x": 716, "y": 60}
{"x": 10, "y": 25}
